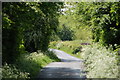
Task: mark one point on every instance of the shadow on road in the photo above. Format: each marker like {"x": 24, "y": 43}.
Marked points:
{"x": 60, "y": 72}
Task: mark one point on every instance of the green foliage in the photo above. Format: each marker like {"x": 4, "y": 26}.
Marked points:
{"x": 42, "y": 28}
{"x": 83, "y": 33}
{"x": 10, "y": 71}
{"x": 27, "y": 65}
{"x": 33, "y": 62}
{"x": 74, "y": 22}
{"x": 100, "y": 62}
{"x": 77, "y": 50}
{"x": 102, "y": 18}
{"x": 73, "y": 25}
{"x": 29, "y": 24}
{"x": 65, "y": 33}
{"x": 54, "y": 36}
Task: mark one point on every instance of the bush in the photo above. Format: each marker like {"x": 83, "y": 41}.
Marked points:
{"x": 78, "y": 49}
{"x": 65, "y": 33}
{"x": 10, "y": 71}
{"x": 100, "y": 62}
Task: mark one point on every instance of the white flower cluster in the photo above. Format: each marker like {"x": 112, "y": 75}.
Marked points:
{"x": 10, "y": 71}
{"x": 100, "y": 62}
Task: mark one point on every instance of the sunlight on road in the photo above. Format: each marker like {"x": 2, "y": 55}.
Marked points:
{"x": 70, "y": 67}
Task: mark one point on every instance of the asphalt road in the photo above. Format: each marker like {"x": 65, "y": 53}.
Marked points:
{"x": 69, "y": 68}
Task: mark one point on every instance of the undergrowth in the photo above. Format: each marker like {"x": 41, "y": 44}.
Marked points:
{"x": 100, "y": 62}
{"x": 28, "y": 65}
{"x": 11, "y": 72}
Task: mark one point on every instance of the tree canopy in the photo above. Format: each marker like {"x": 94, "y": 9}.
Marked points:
{"x": 28, "y": 25}
{"x": 102, "y": 18}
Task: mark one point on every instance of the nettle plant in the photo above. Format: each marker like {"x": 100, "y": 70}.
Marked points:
{"x": 100, "y": 62}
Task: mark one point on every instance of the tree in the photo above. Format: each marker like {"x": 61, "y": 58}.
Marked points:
{"x": 102, "y": 18}
{"x": 65, "y": 33}
{"x": 27, "y": 24}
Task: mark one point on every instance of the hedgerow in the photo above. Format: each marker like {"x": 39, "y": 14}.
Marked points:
{"x": 27, "y": 65}
{"x": 100, "y": 62}
{"x": 10, "y": 71}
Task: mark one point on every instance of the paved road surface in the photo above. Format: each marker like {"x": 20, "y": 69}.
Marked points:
{"x": 69, "y": 67}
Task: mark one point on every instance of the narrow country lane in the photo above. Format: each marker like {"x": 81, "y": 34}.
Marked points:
{"x": 69, "y": 67}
